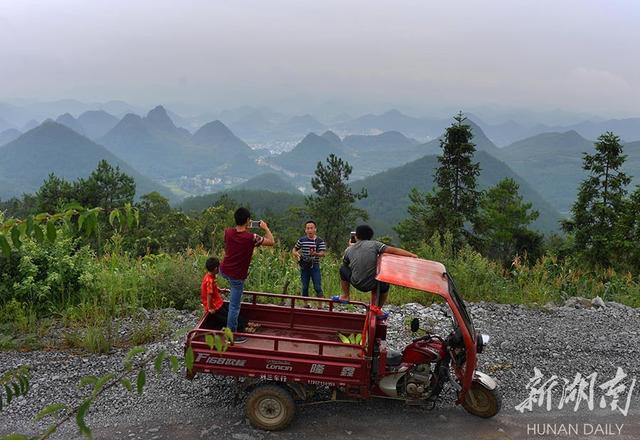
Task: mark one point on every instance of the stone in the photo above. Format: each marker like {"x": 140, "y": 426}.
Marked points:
{"x": 577, "y": 302}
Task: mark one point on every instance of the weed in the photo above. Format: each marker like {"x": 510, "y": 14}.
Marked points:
{"x": 149, "y": 332}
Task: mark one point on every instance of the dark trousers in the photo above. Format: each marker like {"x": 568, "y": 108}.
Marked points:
{"x": 312, "y": 273}
{"x": 219, "y": 318}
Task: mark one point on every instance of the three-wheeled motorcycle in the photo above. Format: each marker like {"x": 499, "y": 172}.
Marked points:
{"x": 295, "y": 350}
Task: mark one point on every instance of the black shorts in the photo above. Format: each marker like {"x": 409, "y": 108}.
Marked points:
{"x": 373, "y": 286}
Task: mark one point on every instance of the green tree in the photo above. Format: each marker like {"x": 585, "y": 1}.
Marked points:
{"x": 289, "y": 224}
{"x": 20, "y": 208}
{"x": 54, "y": 193}
{"x": 631, "y": 231}
{"x": 500, "y": 227}
{"x": 418, "y": 225}
{"x": 106, "y": 187}
{"x": 332, "y": 207}
{"x": 211, "y": 224}
{"x": 454, "y": 199}
{"x": 599, "y": 210}
{"x": 162, "y": 227}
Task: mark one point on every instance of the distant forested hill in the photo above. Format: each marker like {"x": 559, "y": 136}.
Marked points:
{"x": 155, "y": 146}
{"x": 259, "y": 201}
{"x": 388, "y": 191}
{"x": 552, "y": 163}
{"x": 269, "y": 182}
{"x": 9, "y": 135}
{"x": 54, "y": 148}
{"x": 304, "y": 158}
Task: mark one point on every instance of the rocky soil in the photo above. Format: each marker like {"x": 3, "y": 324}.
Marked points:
{"x": 580, "y": 337}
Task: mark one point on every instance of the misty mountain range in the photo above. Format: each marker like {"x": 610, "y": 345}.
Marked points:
{"x": 390, "y": 153}
{"x": 259, "y": 125}
{"x": 54, "y": 148}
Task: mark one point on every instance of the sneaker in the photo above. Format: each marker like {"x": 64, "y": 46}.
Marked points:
{"x": 381, "y": 315}
{"x": 336, "y": 298}
{"x": 239, "y": 339}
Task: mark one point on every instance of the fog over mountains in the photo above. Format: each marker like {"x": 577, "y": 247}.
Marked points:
{"x": 260, "y": 149}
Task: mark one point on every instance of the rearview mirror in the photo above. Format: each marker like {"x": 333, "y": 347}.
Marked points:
{"x": 415, "y": 325}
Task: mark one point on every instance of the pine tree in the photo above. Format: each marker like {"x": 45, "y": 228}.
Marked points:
{"x": 598, "y": 212}
{"x": 106, "y": 187}
{"x": 54, "y": 194}
{"x": 332, "y": 206}
{"x": 454, "y": 199}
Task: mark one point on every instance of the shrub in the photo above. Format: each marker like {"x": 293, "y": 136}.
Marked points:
{"x": 47, "y": 277}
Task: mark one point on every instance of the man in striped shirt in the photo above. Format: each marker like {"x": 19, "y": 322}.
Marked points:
{"x": 308, "y": 250}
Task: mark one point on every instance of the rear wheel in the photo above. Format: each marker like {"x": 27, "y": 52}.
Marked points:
{"x": 270, "y": 407}
{"x": 482, "y": 401}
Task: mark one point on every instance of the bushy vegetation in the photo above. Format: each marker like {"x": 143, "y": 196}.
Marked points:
{"x": 85, "y": 293}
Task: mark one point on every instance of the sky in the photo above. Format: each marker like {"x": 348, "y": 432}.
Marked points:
{"x": 426, "y": 56}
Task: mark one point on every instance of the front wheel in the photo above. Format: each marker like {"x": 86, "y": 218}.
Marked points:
{"x": 482, "y": 401}
{"x": 270, "y": 407}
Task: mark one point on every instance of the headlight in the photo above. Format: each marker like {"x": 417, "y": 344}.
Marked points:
{"x": 481, "y": 341}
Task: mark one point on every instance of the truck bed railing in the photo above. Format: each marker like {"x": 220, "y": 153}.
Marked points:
{"x": 277, "y": 341}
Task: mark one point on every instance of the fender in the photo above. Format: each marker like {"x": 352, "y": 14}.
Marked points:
{"x": 486, "y": 380}
{"x": 388, "y": 383}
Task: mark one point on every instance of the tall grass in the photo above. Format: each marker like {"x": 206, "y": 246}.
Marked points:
{"x": 86, "y": 292}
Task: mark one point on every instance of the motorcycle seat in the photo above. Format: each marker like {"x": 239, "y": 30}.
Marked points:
{"x": 394, "y": 358}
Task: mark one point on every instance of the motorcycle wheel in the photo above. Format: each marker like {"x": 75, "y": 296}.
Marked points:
{"x": 481, "y": 401}
{"x": 270, "y": 407}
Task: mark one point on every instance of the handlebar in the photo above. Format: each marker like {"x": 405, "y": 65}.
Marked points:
{"x": 428, "y": 337}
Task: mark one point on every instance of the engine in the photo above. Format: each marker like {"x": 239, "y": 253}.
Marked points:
{"x": 417, "y": 382}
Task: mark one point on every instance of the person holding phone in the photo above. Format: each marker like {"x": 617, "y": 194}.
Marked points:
{"x": 239, "y": 244}
{"x": 359, "y": 265}
{"x": 308, "y": 250}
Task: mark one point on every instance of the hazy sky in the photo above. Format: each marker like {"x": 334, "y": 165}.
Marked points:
{"x": 576, "y": 55}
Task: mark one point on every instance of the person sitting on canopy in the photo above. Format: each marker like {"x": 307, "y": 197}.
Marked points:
{"x": 359, "y": 266}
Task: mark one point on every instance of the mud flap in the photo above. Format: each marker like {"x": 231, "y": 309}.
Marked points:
{"x": 486, "y": 380}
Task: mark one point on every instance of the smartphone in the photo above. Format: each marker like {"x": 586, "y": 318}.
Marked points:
{"x": 353, "y": 237}
{"x": 255, "y": 224}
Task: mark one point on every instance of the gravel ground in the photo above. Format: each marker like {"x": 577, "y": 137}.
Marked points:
{"x": 574, "y": 338}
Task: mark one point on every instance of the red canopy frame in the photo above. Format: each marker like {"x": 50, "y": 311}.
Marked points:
{"x": 431, "y": 277}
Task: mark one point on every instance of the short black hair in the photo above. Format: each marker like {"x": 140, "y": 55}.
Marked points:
{"x": 311, "y": 221}
{"x": 241, "y": 216}
{"x": 364, "y": 232}
{"x": 212, "y": 263}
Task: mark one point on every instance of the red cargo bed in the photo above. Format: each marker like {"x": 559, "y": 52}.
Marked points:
{"x": 290, "y": 344}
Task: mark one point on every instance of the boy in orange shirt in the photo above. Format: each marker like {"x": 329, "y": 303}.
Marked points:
{"x": 209, "y": 293}
{"x": 212, "y": 301}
